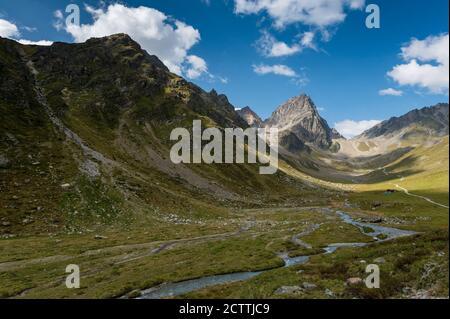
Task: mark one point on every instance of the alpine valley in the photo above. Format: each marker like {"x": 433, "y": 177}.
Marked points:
{"x": 86, "y": 179}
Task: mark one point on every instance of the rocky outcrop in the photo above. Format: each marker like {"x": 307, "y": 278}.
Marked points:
{"x": 250, "y": 117}
{"x": 300, "y": 116}
{"x": 291, "y": 142}
{"x": 116, "y": 74}
{"x": 335, "y": 135}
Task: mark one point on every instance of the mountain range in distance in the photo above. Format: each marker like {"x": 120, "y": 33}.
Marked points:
{"x": 300, "y": 117}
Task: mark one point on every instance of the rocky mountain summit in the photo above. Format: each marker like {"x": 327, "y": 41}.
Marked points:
{"x": 250, "y": 117}
{"x": 300, "y": 116}
{"x": 120, "y": 75}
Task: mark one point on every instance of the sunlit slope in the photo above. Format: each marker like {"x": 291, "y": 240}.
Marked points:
{"x": 423, "y": 171}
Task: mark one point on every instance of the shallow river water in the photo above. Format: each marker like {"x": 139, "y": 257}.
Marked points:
{"x": 183, "y": 287}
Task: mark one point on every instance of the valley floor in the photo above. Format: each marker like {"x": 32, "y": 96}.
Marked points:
{"x": 124, "y": 262}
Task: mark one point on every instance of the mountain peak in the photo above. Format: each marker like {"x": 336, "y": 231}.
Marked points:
{"x": 298, "y": 105}
{"x": 300, "y": 116}
{"x": 117, "y": 37}
{"x": 250, "y": 117}
{"x": 121, "y": 45}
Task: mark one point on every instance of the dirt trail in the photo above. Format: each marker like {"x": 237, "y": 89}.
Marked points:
{"x": 406, "y": 191}
{"x": 418, "y": 196}
{"x": 296, "y": 238}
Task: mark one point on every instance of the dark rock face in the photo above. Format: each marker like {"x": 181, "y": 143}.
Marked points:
{"x": 433, "y": 119}
{"x": 291, "y": 142}
{"x": 336, "y": 135}
{"x": 113, "y": 74}
{"x": 299, "y": 115}
{"x": 250, "y": 117}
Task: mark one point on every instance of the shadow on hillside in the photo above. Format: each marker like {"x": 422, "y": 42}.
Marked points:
{"x": 374, "y": 161}
{"x": 343, "y": 170}
{"x": 404, "y": 168}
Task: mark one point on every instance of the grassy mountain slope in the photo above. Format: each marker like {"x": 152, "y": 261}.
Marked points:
{"x": 90, "y": 124}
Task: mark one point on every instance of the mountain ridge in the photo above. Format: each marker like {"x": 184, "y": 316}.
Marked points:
{"x": 433, "y": 118}
{"x": 300, "y": 116}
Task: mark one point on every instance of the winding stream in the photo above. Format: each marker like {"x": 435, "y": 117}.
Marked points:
{"x": 183, "y": 287}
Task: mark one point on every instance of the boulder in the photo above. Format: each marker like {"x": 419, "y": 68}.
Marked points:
{"x": 354, "y": 281}
{"x": 288, "y": 290}
{"x": 329, "y": 293}
{"x": 309, "y": 286}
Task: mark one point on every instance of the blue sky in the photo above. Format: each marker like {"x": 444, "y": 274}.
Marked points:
{"x": 227, "y": 45}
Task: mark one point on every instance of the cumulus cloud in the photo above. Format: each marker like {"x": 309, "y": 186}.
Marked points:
{"x": 307, "y": 40}
{"x": 159, "y": 34}
{"x": 426, "y": 64}
{"x": 269, "y": 46}
{"x": 8, "y": 29}
{"x": 278, "y": 69}
{"x": 11, "y": 31}
{"x": 390, "y": 91}
{"x": 58, "y": 14}
{"x": 40, "y": 42}
{"x": 197, "y": 66}
{"x": 350, "y": 128}
{"x": 318, "y": 13}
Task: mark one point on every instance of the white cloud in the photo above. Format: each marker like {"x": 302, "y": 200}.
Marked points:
{"x": 11, "y": 31}
{"x": 350, "y": 128}
{"x": 223, "y": 80}
{"x": 29, "y": 29}
{"x": 278, "y": 69}
{"x": 271, "y": 47}
{"x": 390, "y": 91}
{"x": 307, "y": 40}
{"x": 8, "y": 29}
{"x": 318, "y": 13}
{"x": 58, "y": 14}
{"x": 59, "y": 23}
{"x": 41, "y": 42}
{"x": 163, "y": 36}
{"x": 197, "y": 66}
{"x": 427, "y": 64}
